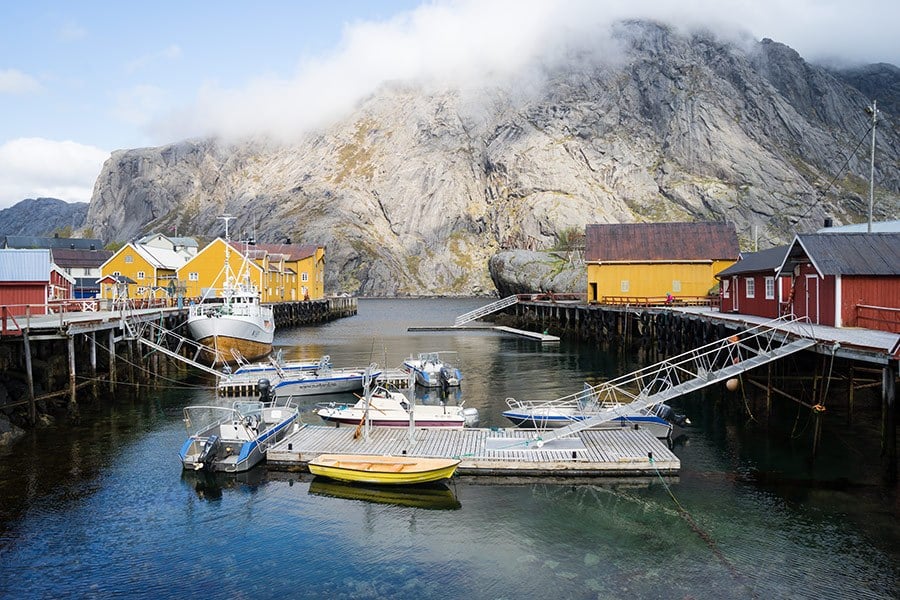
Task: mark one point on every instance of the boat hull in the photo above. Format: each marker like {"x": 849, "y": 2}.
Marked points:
{"x": 659, "y": 427}
{"x": 352, "y": 418}
{"x": 383, "y": 470}
{"x": 250, "y": 336}
{"x": 313, "y": 385}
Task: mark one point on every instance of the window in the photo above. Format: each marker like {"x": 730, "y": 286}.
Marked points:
{"x": 129, "y": 258}
{"x": 141, "y": 290}
{"x": 140, "y": 275}
{"x": 676, "y": 286}
{"x": 624, "y": 285}
{"x": 770, "y": 288}
{"x": 304, "y": 276}
{"x": 750, "y": 286}
{"x": 195, "y": 276}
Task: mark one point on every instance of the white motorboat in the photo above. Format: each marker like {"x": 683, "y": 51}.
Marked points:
{"x": 660, "y": 420}
{"x": 325, "y": 380}
{"x": 435, "y": 369}
{"x": 393, "y": 409}
{"x": 275, "y": 364}
{"x": 235, "y": 439}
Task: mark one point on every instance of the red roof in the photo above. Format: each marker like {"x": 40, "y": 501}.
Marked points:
{"x": 643, "y": 242}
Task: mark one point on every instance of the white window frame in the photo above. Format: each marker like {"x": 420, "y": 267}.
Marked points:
{"x": 624, "y": 285}
{"x": 304, "y": 276}
{"x": 676, "y": 286}
{"x": 749, "y": 287}
{"x": 129, "y": 258}
{"x": 770, "y": 288}
{"x": 194, "y": 276}
{"x": 141, "y": 276}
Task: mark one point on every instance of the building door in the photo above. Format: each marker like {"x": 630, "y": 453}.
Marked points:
{"x": 812, "y": 298}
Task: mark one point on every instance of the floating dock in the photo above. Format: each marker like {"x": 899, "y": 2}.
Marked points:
{"x": 494, "y": 452}
{"x": 544, "y": 338}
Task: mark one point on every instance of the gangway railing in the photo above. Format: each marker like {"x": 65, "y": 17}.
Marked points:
{"x": 485, "y": 310}
{"x": 154, "y": 335}
{"x": 687, "y": 372}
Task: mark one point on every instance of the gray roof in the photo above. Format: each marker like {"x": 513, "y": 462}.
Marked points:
{"x": 879, "y": 227}
{"x": 756, "y": 262}
{"x": 31, "y": 241}
{"x": 846, "y": 253}
{"x": 25, "y": 265}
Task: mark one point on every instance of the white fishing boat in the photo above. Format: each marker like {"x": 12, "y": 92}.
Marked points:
{"x": 660, "y": 420}
{"x": 393, "y": 409}
{"x": 235, "y": 439}
{"x": 232, "y": 319}
{"x": 325, "y": 380}
{"x": 435, "y": 369}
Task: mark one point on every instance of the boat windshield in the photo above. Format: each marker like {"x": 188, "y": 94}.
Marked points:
{"x": 200, "y": 418}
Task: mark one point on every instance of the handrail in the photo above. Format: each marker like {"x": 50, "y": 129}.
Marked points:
{"x": 485, "y": 310}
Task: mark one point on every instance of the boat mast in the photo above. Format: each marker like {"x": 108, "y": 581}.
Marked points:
{"x": 228, "y": 275}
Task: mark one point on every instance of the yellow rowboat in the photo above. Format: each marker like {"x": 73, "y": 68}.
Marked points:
{"x": 383, "y": 470}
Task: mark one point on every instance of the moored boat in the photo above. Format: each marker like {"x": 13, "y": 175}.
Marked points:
{"x": 383, "y": 470}
{"x": 323, "y": 381}
{"x": 235, "y": 439}
{"x": 393, "y": 409}
{"x": 435, "y": 369}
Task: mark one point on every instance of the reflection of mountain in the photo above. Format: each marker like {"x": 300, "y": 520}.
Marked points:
{"x": 209, "y": 484}
{"x": 431, "y": 497}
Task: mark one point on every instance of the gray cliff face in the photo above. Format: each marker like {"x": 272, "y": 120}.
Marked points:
{"x": 42, "y": 217}
{"x": 414, "y": 192}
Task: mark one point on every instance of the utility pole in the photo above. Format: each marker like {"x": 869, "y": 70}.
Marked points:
{"x": 874, "y": 111}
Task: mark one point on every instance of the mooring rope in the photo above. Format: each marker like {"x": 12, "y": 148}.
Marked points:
{"x": 704, "y": 535}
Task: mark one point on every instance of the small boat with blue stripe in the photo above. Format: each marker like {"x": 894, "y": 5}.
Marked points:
{"x": 323, "y": 381}
{"x": 660, "y": 420}
{"x": 236, "y": 439}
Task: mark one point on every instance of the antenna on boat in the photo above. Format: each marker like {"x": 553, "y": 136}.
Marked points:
{"x": 227, "y": 218}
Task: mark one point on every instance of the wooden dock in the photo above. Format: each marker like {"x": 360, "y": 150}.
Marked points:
{"x": 494, "y": 452}
{"x": 544, "y": 338}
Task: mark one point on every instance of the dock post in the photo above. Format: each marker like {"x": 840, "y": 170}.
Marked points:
{"x": 70, "y": 341}
{"x": 889, "y": 420}
{"x": 32, "y": 409}
{"x": 112, "y": 361}
{"x": 817, "y": 431}
{"x": 93, "y": 353}
{"x": 768, "y": 391}
{"x": 850, "y": 396}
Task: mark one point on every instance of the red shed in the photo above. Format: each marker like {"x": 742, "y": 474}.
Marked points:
{"x": 29, "y": 278}
{"x": 846, "y": 279}
{"x": 751, "y": 285}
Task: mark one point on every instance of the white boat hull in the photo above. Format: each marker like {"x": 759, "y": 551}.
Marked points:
{"x": 250, "y": 335}
{"x": 312, "y": 384}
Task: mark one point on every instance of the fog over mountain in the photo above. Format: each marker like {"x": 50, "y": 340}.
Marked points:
{"x": 425, "y": 179}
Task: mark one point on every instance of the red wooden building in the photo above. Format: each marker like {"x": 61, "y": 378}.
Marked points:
{"x": 751, "y": 285}
{"x": 29, "y": 280}
{"x": 846, "y": 279}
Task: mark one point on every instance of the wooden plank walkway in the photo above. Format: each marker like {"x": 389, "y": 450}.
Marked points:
{"x": 495, "y": 452}
{"x": 544, "y": 338}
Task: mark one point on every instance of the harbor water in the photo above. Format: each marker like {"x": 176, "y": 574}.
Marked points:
{"x": 100, "y": 508}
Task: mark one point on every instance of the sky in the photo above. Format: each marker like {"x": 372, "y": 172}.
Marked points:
{"x": 79, "y": 80}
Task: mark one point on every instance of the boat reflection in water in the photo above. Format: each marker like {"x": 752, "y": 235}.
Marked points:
{"x": 431, "y": 496}
{"x": 209, "y": 484}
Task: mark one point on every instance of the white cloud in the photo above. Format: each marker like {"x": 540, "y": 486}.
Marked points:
{"x": 13, "y": 81}
{"x": 170, "y": 52}
{"x": 37, "y": 167}
{"x": 471, "y": 41}
{"x": 138, "y": 104}
{"x": 71, "y": 32}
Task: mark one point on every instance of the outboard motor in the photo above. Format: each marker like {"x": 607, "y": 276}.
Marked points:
{"x": 665, "y": 411}
{"x": 208, "y": 453}
{"x": 471, "y": 416}
{"x": 264, "y": 387}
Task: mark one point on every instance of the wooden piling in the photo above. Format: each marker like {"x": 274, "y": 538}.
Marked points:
{"x": 32, "y": 408}
{"x": 93, "y": 354}
{"x": 112, "y": 361}
{"x": 70, "y": 341}
{"x": 889, "y": 420}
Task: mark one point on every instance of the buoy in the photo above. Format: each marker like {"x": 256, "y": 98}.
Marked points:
{"x": 732, "y": 384}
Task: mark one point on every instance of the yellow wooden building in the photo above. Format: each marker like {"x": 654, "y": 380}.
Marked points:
{"x": 204, "y": 275}
{"x": 293, "y": 271}
{"x": 643, "y": 262}
{"x": 140, "y": 272}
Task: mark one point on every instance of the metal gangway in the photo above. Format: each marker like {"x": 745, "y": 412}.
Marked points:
{"x": 485, "y": 310}
{"x": 154, "y": 335}
{"x": 687, "y": 372}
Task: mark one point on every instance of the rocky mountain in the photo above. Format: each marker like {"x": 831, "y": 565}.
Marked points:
{"x": 42, "y": 217}
{"x": 416, "y": 190}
